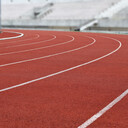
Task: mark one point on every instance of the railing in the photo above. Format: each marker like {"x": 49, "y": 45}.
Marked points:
{"x": 37, "y": 12}
{"x": 107, "y": 13}
{"x": 113, "y": 9}
{"x": 40, "y": 12}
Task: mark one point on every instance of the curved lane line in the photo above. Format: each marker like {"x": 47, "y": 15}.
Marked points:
{"x": 37, "y": 36}
{"x": 54, "y": 37}
{"x": 66, "y": 70}
{"x": 38, "y": 58}
{"x": 39, "y": 47}
{"x": 7, "y": 38}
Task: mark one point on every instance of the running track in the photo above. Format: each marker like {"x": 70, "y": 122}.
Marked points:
{"x": 52, "y": 79}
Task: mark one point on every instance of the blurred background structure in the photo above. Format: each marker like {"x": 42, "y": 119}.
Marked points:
{"x": 69, "y": 15}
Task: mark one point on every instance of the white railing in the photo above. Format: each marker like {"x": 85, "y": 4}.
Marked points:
{"x": 95, "y": 21}
{"x": 107, "y": 13}
{"x": 113, "y": 9}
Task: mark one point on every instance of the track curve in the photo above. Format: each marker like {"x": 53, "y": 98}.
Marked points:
{"x": 67, "y": 80}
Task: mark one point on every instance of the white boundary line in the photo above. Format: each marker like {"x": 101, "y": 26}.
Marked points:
{"x": 7, "y": 38}
{"x": 23, "y": 61}
{"x": 101, "y": 112}
{"x": 66, "y": 70}
{"x": 39, "y": 47}
{"x": 54, "y": 37}
{"x": 37, "y": 36}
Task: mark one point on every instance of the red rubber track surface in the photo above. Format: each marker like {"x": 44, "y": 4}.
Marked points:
{"x": 68, "y": 99}
{"x": 8, "y": 34}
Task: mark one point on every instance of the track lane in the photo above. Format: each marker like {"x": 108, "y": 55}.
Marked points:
{"x": 63, "y": 100}
{"x": 32, "y": 44}
{"x": 115, "y": 117}
{"x": 27, "y": 34}
{"x": 46, "y": 51}
{"x": 39, "y": 60}
{"x": 49, "y": 63}
{"x": 38, "y": 66}
{"x": 8, "y": 35}
{"x": 5, "y": 44}
{"x": 70, "y": 98}
{"x": 120, "y": 72}
{"x": 38, "y": 48}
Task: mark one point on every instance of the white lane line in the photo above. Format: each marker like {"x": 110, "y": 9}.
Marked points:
{"x": 39, "y": 47}
{"x": 38, "y": 58}
{"x": 100, "y": 113}
{"x": 15, "y": 86}
{"x": 7, "y": 38}
{"x": 37, "y": 36}
{"x": 66, "y": 70}
{"x": 54, "y": 37}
